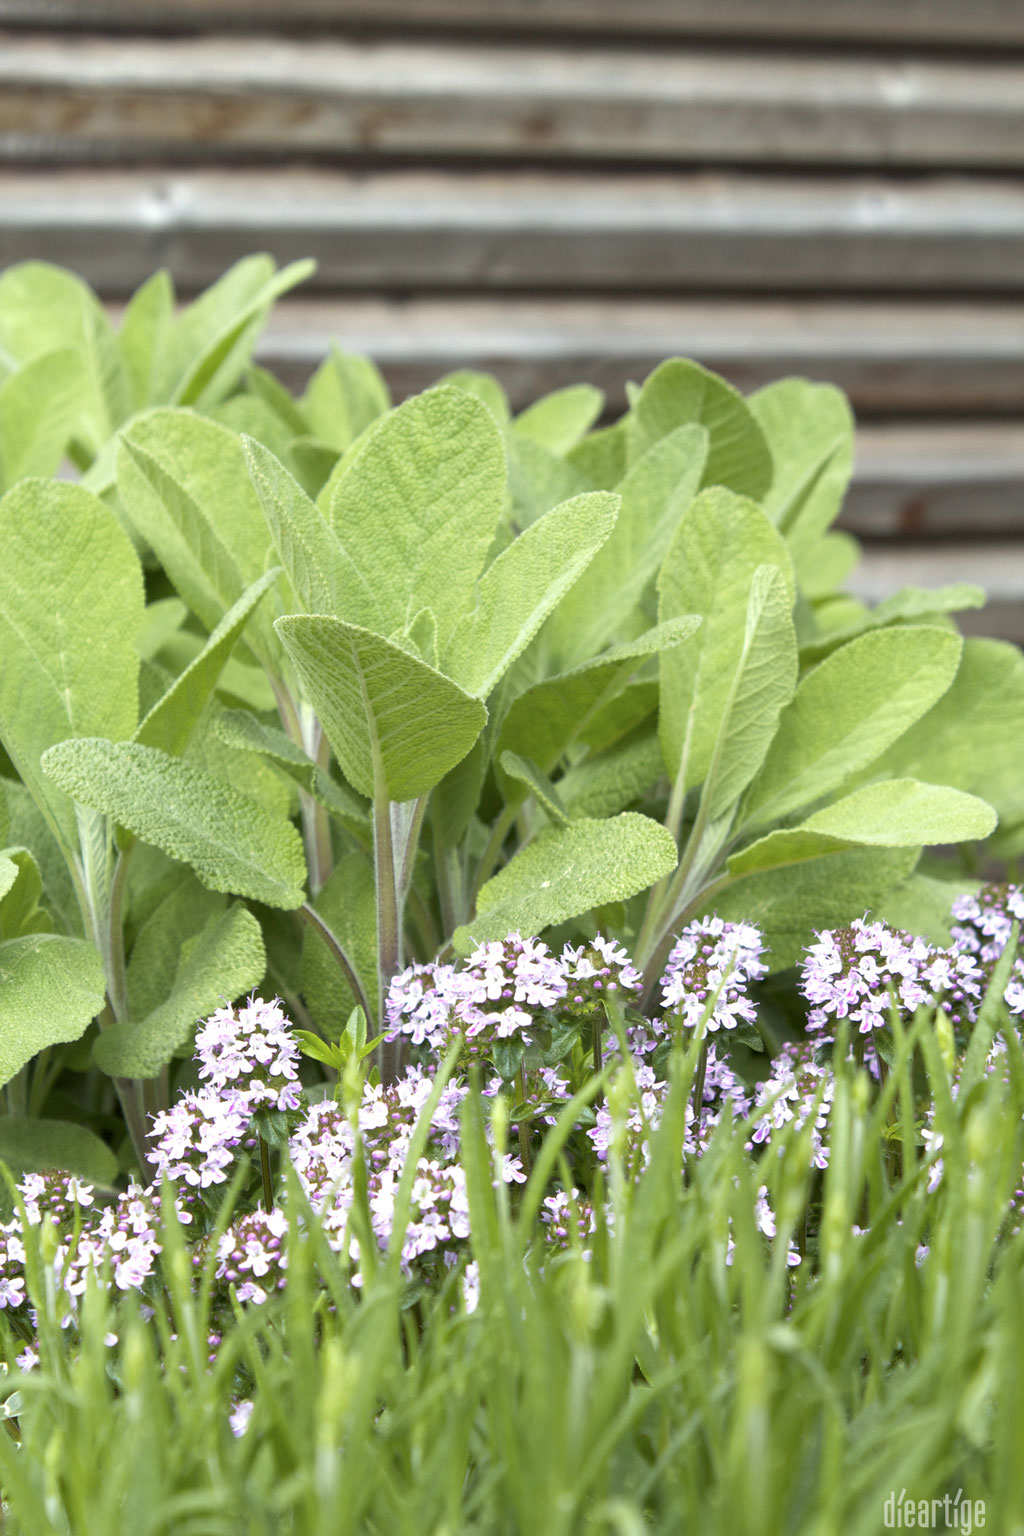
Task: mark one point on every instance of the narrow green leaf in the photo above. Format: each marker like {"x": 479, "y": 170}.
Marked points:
{"x": 538, "y": 784}
{"x": 709, "y": 570}
{"x": 522, "y": 586}
{"x": 566, "y": 873}
{"x": 546, "y": 719}
{"x": 37, "y": 1146}
{"x": 343, "y": 398}
{"x": 71, "y": 603}
{"x": 40, "y": 405}
{"x": 380, "y": 707}
{"x": 912, "y": 605}
{"x": 177, "y": 917}
{"x": 539, "y": 480}
{"x": 606, "y": 600}
{"x": 211, "y": 342}
{"x": 231, "y": 842}
{"x": 680, "y": 391}
{"x": 898, "y": 813}
{"x": 603, "y": 785}
{"x": 809, "y": 430}
{"x": 21, "y": 890}
{"x": 242, "y": 731}
{"x": 50, "y": 989}
{"x": 144, "y": 336}
{"x": 559, "y": 420}
{"x": 971, "y": 738}
{"x": 847, "y": 711}
{"x": 170, "y": 723}
{"x": 222, "y": 962}
{"x": 318, "y": 566}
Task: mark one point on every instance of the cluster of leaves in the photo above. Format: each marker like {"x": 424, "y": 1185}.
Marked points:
{"x": 309, "y": 688}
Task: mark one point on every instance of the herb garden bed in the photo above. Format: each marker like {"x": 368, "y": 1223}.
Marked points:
{"x": 634, "y": 1139}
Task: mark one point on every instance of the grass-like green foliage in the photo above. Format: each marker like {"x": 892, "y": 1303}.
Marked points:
{"x": 301, "y": 690}
{"x": 648, "y": 1384}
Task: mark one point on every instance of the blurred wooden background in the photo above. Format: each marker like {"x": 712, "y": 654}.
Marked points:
{"x": 559, "y": 190}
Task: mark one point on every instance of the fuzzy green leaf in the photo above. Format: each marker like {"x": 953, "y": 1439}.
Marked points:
{"x": 911, "y": 605}
{"x": 545, "y": 720}
{"x": 231, "y": 842}
{"x": 71, "y": 604}
{"x": 680, "y": 391}
{"x": 21, "y": 890}
{"x": 181, "y": 913}
{"x": 37, "y": 1146}
{"x": 559, "y": 420}
{"x": 242, "y": 731}
{"x": 40, "y": 404}
{"x": 209, "y": 344}
{"x": 566, "y": 873}
{"x": 539, "y": 480}
{"x": 223, "y": 961}
{"x": 386, "y": 714}
{"x": 603, "y": 785}
{"x": 847, "y": 711}
{"x": 522, "y": 586}
{"x": 50, "y": 988}
{"x": 417, "y": 509}
{"x": 654, "y": 495}
{"x": 171, "y": 722}
{"x": 789, "y": 905}
{"x": 898, "y": 813}
{"x": 538, "y": 784}
{"x": 972, "y": 737}
{"x": 809, "y": 430}
{"x": 183, "y": 482}
{"x": 709, "y": 570}
{"x": 343, "y": 397}
{"x": 144, "y": 335}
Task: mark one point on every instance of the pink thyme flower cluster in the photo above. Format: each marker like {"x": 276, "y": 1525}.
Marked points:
{"x": 250, "y": 1055}
{"x": 251, "y": 1255}
{"x": 863, "y": 971}
{"x": 322, "y": 1151}
{"x": 707, "y": 973}
{"x": 197, "y": 1139}
{"x": 796, "y": 1092}
{"x": 118, "y": 1244}
{"x": 497, "y": 994}
{"x": 982, "y": 929}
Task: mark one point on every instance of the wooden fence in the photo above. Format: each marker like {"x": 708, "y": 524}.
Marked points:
{"x": 573, "y": 189}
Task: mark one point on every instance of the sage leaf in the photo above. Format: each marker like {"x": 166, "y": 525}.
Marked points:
{"x": 231, "y": 842}
{"x": 71, "y": 604}
{"x": 223, "y": 961}
{"x": 389, "y": 717}
{"x": 417, "y": 509}
{"x": 847, "y": 711}
{"x": 566, "y": 873}
{"x": 679, "y": 392}
{"x": 37, "y": 1145}
{"x": 50, "y": 989}
{"x": 744, "y": 657}
{"x": 523, "y": 585}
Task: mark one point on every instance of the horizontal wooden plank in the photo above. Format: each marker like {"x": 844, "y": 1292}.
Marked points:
{"x": 929, "y": 22}
{"x": 417, "y": 230}
{"x": 909, "y": 356}
{"x": 133, "y": 99}
{"x": 938, "y": 481}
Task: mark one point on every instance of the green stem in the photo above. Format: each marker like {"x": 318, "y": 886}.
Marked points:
{"x": 268, "y": 1183}
{"x": 337, "y": 949}
{"x": 522, "y": 1129}
{"x": 502, "y": 827}
{"x": 389, "y": 939}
